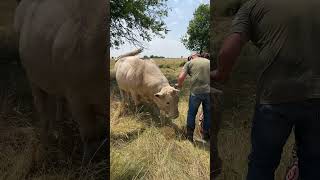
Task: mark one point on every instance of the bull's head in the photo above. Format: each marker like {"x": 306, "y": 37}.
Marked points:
{"x": 167, "y": 101}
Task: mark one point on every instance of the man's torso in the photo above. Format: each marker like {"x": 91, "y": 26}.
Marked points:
{"x": 287, "y": 32}
{"x": 199, "y": 71}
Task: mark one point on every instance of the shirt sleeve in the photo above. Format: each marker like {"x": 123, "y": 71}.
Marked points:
{"x": 241, "y": 23}
{"x": 186, "y": 67}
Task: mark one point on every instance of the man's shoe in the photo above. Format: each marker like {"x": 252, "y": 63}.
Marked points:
{"x": 189, "y": 134}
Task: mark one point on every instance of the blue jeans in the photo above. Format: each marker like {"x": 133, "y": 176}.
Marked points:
{"x": 194, "y": 102}
{"x": 272, "y": 125}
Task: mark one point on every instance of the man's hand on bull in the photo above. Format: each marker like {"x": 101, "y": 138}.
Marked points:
{"x": 217, "y": 76}
{"x": 177, "y": 86}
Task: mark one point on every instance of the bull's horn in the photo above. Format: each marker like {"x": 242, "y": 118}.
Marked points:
{"x": 176, "y": 90}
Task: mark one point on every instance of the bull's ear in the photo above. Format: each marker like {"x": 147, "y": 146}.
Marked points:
{"x": 158, "y": 95}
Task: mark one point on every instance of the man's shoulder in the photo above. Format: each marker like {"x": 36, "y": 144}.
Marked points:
{"x": 199, "y": 60}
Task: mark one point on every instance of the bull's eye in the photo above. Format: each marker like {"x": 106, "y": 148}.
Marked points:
{"x": 168, "y": 102}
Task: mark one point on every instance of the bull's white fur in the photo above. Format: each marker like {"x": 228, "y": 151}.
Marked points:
{"x": 62, "y": 47}
{"x": 144, "y": 82}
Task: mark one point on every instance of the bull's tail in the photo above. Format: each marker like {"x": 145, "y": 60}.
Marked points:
{"x": 133, "y": 53}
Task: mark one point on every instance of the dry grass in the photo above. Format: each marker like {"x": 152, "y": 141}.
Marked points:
{"x": 143, "y": 148}
{"x": 20, "y": 149}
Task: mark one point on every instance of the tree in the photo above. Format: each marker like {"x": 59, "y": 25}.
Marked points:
{"x": 197, "y": 37}
{"x": 134, "y": 21}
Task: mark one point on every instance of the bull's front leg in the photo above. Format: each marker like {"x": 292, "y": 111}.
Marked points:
{"x": 162, "y": 117}
{"x": 91, "y": 130}
{"x": 136, "y": 100}
{"x": 46, "y": 109}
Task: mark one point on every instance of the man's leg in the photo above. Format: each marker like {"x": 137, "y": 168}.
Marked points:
{"x": 207, "y": 116}
{"x": 270, "y": 131}
{"x": 194, "y": 103}
{"x": 216, "y": 115}
{"x": 307, "y": 133}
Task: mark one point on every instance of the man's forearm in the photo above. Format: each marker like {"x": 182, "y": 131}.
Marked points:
{"x": 181, "y": 79}
{"x": 180, "y": 82}
{"x": 228, "y": 55}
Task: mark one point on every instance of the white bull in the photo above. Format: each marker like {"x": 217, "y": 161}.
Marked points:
{"x": 144, "y": 82}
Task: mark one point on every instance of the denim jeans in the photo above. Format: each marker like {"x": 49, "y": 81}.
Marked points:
{"x": 194, "y": 102}
{"x": 272, "y": 125}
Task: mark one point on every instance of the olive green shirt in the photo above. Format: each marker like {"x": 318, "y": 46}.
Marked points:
{"x": 287, "y": 33}
{"x": 199, "y": 71}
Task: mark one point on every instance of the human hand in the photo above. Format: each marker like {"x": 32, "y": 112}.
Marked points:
{"x": 177, "y": 86}
{"x": 217, "y": 76}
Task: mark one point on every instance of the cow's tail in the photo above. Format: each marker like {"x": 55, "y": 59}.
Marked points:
{"x": 133, "y": 53}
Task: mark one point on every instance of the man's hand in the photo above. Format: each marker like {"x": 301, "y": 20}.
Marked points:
{"x": 177, "y": 86}
{"x": 216, "y": 76}
{"x": 227, "y": 57}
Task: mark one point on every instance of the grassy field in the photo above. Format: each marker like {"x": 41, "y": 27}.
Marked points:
{"x": 143, "y": 148}
{"x": 20, "y": 149}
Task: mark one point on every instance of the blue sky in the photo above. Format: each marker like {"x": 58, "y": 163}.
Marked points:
{"x": 177, "y": 22}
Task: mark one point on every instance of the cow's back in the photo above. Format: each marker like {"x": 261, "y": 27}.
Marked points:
{"x": 54, "y": 51}
{"x": 153, "y": 79}
{"x": 129, "y": 73}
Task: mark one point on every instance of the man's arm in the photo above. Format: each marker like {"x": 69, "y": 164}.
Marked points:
{"x": 181, "y": 78}
{"x": 228, "y": 55}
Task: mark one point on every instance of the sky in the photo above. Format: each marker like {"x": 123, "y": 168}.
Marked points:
{"x": 177, "y": 22}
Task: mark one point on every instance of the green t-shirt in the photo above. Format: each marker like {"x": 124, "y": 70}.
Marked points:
{"x": 287, "y": 33}
{"x": 199, "y": 71}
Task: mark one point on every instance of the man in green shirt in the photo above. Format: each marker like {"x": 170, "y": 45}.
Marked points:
{"x": 287, "y": 33}
{"x": 198, "y": 69}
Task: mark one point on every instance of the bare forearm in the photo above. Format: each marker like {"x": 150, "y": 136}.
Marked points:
{"x": 226, "y": 62}
{"x": 181, "y": 79}
{"x": 228, "y": 55}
